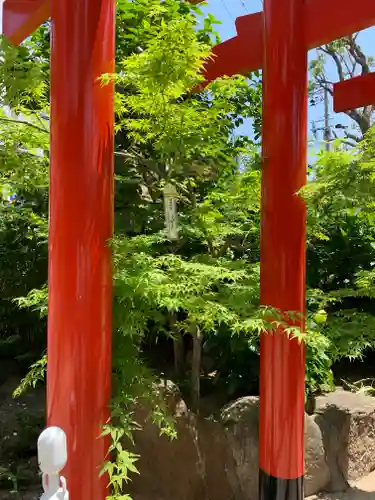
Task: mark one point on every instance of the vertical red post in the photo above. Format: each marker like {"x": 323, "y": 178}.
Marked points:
{"x": 281, "y": 454}
{"x": 81, "y": 220}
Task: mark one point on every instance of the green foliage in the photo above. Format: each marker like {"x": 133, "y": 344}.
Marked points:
{"x": 23, "y": 156}
{"x": 24, "y": 74}
{"x": 24, "y": 265}
{"x": 340, "y": 198}
{"x": 24, "y": 161}
{"x": 7, "y": 476}
{"x": 341, "y": 251}
{"x": 343, "y": 181}
{"x": 34, "y": 376}
{"x": 319, "y": 377}
{"x": 36, "y": 300}
{"x": 156, "y": 108}
{"x": 210, "y": 291}
{"x": 136, "y": 21}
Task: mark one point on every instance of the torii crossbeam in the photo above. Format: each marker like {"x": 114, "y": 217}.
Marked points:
{"x": 354, "y": 93}
{"x": 325, "y": 21}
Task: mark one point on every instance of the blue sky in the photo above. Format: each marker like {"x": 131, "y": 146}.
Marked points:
{"x": 226, "y": 11}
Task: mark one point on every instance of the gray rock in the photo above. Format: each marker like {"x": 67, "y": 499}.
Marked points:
{"x": 317, "y": 473}
{"x": 347, "y": 421}
{"x": 196, "y": 466}
{"x": 241, "y": 421}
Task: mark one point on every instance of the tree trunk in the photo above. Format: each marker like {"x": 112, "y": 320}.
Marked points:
{"x": 179, "y": 358}
{"x": 178, "y": 347}
{"x": 196, "y": 369}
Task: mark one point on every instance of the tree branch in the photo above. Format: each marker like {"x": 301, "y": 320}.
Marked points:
{"x": 336, "y": 59}
{"x": 23, "y": 122}
{"x": 353, "y": 137}
{"x": 356, "y": 52}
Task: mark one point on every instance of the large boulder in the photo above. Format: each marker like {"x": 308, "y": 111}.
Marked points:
{"x": 195, "y": 466}
{"x": 214, "y": 460}
{"x": 241, "y": 421}
{"x": 317, "y": 473}
{"x": 347, "y": 422}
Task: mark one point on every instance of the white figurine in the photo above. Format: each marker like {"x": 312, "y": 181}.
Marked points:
{"x": 52, "y": 458}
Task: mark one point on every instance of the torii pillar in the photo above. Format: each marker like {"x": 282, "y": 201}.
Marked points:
{"x": 277, "y": 40}
{"x": 80, "y": 225}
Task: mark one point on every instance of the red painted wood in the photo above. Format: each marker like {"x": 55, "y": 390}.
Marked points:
{"x": 81, "y": 220}
{"x": 283, "y": 236}
{"x": 22, "y": 17}
{"x": 328, "y": 20}
{"x": 325, "y": 21}
{"x": 241, "y": 54}
{"x": 354, "y": 93}
{"x": 233, "y": 56}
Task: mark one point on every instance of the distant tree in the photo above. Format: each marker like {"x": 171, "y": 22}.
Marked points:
{"x": 349, "y": 60}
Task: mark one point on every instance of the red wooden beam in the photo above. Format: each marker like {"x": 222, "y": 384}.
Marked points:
{"x": 325, "y": 21}
{"x": 354, "y": 93}
{"x": 329, "y": 20}
{"x": 22, "y": 17}
{"x": 237, "y": 55}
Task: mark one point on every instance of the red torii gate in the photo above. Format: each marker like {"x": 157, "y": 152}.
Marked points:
{"x": 81, "y": 208}
{"x": 277, "y": 40}
{"x": 80, "y": 224}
